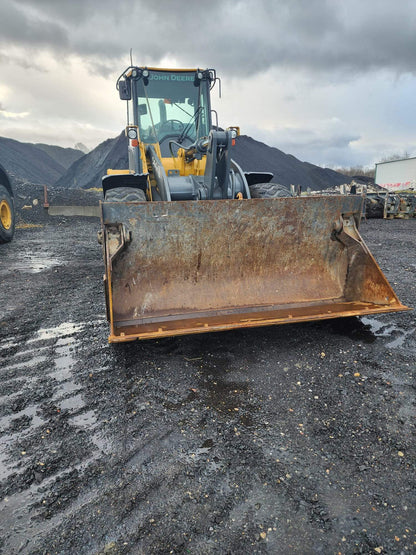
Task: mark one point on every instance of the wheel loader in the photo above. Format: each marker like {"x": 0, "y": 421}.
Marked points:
{"x": 7, "y": 211}
{"x": 192, "y": 243}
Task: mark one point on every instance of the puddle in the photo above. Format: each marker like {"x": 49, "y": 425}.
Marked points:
{"x": 16, "y": 512}
{"x": 8, "y": 344}
{"x": 31, "y": 351}
{"x": 34, "y": 263}
{"x": 381, "y": 329}
{"x": 64, "y": 361}
{"x": 367, "y": 330}
{"x": 32, "y": 362}
{"x": 69, "y": 387}
{"x": 62, "y": 373}
{"x": 11, "y": 396}
{"x": 88, "y": 421}
{"x": 6, "y": 423}
{"x": 30, "y": 411}
{"x": 399, "y": 342}
{"x": 73, "y": 403}
{"x": 63, "y": 330}
{"x": 85, "y": 420}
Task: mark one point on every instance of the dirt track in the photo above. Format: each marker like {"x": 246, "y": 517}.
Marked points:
{"x": 290, "y": 439}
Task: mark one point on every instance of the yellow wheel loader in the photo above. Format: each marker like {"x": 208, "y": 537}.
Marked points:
{"x": 192, "y": 243}
{"x": 7, "y": 212}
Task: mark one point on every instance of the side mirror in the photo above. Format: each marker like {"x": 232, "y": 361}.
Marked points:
{"x": 142, "y": 109}
{"x": 124, "y": 89}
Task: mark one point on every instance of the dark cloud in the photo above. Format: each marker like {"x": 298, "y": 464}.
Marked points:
{"x": 238, "y": 36}
{"x": 23, "y": 62}
{"x": 323, "y": 79}
{"x": 72, "y": 12}
{"x": 27, "y": 29}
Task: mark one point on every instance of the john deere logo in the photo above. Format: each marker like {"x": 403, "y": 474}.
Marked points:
{"x": 170, "y": 77}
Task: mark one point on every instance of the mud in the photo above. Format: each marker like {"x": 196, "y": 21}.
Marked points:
{"x": 288, "y": 439}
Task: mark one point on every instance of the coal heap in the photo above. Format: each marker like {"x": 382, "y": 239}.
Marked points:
{"x": 251, "y": 155}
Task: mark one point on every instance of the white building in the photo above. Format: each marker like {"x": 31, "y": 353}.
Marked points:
{"x": 397, "y": 175}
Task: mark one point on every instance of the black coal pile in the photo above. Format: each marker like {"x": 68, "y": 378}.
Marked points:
{"x": 250, "y": 154}
{"x": 88, "y": 171}
{"x": 253, "y": 155}
{"x": 39, "y": 164}
{"x": 64, "y": 156}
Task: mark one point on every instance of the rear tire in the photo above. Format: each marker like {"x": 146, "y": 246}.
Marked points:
{"x": 269, "y": 190}
{"x": 125, "y": 194}
{"x": 7, "y": 216}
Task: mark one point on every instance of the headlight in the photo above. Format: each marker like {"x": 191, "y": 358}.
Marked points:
{"x": 132, "y": 133}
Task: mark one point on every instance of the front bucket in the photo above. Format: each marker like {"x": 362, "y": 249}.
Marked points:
{"x": 176, "y": 268}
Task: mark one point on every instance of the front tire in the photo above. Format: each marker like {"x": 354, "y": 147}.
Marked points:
{"x": 7, "y": 216}
{"x": 269, "y": 190}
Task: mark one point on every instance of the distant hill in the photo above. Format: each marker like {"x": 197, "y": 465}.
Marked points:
{"x": 250, "y": 154}
{"x": 64, "y": 156}
{"x": 38, "y": 164}
{"x": 80, "y": 146}
{"x": 88, "y": 170}
{"x": 71, "y": 168}
{"x": 253, "y": 155}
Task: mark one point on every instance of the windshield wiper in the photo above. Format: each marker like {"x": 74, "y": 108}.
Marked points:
{"x": 188, "y": 125}
{"x": 180, "y": 108}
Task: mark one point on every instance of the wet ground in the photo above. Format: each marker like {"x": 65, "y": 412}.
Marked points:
{"x": 290, "y": 439}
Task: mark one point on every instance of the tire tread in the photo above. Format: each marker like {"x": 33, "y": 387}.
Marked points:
{"x": 125, "y": 194}
{"x": 269, "y": 190}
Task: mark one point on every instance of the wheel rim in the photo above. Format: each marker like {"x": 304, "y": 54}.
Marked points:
{"x": 5, "y": 215}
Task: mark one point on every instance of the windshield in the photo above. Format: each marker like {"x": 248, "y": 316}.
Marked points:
{"x": 171, "y": 107}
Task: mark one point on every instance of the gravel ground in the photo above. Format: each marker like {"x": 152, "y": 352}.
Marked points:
{"x": 287, "y": 439}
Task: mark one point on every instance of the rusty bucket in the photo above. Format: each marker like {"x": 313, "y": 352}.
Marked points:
{"x": 177, "y": 268}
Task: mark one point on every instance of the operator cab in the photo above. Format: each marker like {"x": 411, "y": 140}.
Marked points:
{"x": 171, "y": 107}
{"x": 174, "y": 154}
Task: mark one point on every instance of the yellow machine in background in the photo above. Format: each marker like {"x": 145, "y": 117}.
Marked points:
{"x": 192, "y": 243}
{"x": 7, "y": 211}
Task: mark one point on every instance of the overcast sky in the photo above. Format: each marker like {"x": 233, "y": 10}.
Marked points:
{"x": 332, "y": 82}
